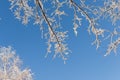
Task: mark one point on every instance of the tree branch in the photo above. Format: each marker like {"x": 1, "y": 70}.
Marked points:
{"x": 47, "y": 21}
{"x": 85, "y": 14}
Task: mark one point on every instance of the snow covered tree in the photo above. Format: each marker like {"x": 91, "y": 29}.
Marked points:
{"x": 51, "y": 12}
{"x": 10, "y": 66}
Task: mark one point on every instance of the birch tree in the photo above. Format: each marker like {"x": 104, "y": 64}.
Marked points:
{"x": 10, "y": 66}
{"x": 51, "y": 12}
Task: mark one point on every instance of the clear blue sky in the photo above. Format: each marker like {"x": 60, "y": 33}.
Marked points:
{"x": 84, "y": 63}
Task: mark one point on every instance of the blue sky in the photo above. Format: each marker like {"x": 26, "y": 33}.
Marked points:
{"x": 84, "y": 63}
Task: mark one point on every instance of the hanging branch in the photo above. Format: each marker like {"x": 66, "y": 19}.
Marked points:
{"x": 85, "y": 14}
{"x": 61, "y": 47}
{"x": 95, "y": 31}
{"x": 47, "y": 21}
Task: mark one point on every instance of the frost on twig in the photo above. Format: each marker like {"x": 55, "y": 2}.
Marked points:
{"x": 21, "y": 10}
{"x": 111, "y": 10}
{"x": 112, "y": 47}
{"x": 10, "y": 66}
{"x": 76, "y": 21}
